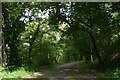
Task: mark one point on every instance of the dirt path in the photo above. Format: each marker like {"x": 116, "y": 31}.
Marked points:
{"x": 61, "y": 71}
{"x": 66, "y": 71}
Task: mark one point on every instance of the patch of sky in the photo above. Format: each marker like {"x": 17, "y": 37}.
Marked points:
{"x": 26, "y": 44}
{"x": 28, "y": 15}
{"x": 43, "y": 13}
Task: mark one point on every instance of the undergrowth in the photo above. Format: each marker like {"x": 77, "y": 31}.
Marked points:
{"x": 110, "y": 73}
{"x": 103, "y": 71}
{"x": 18, "y": 73}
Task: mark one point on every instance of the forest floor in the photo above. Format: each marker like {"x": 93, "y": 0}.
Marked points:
{"x": 69, "y": 71}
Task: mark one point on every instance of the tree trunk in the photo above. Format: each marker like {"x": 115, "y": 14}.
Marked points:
{"x": 30, "y": 56}
{"x": 3, "y": 53}
{"x": 1, "y": 34}
{"x": 0, "y": 50}
{"x": 95, "y": 47}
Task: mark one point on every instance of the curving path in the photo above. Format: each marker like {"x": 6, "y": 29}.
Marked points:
{"x": 63, "y": 72}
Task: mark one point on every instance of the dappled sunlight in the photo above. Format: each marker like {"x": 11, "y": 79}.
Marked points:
{"x": 66, "y": 69}
{"x": 76, "y": 70}
{"x": 34, "y": 75}
{"x": 38, "y": 74}
{"x": 69, "y": 76}
{"x": 61, "y": 71}
{"x": 69, "y": 71}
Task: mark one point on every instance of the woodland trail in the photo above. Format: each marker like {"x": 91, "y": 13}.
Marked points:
{"x": 66, "y": 72}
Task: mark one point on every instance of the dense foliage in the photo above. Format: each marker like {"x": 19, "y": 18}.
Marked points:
{"x": 39, "y": 34}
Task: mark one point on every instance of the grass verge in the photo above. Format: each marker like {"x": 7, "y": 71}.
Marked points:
{"x": 19, "y": 73}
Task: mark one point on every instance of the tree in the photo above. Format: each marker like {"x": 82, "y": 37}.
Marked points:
{"x": 72, "y": 30}
{"x": 93, "y": 18}
{"x": 0, "y": 38}
{"x": 12, "y": 27}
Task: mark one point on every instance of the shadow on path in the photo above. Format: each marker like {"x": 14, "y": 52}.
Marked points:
{"x": 65, "y": 71}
